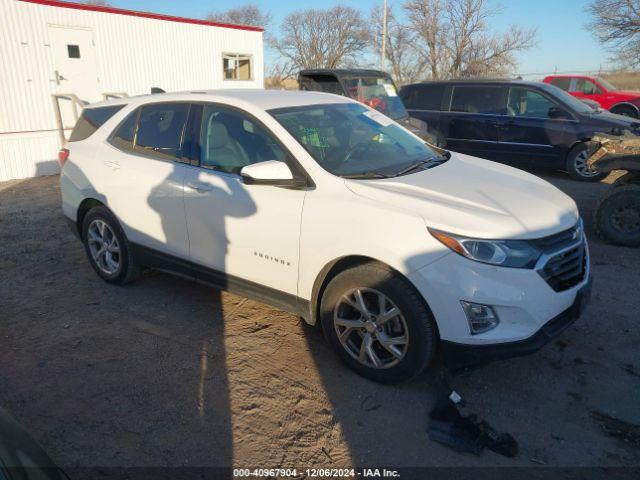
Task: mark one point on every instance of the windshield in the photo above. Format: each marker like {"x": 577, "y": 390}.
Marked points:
{"x": 607, "y": 86}
{"x": 348, "y": 139}
{"x": 575, "y": 104}
{"x": 376, "y": 92}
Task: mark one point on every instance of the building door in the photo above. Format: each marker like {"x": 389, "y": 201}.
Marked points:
{"x": 75, "y": 67}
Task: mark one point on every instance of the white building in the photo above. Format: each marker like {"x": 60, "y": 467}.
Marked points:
{"x": 50, "y": 47}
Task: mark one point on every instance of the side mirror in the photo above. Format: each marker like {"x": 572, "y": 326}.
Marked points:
{"x": 558, "y": 113}
{"x": 270, "y": 172}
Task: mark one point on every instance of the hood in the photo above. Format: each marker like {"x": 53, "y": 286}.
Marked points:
{"x": 612, "y": 120}
{"x": 476, "y": 198}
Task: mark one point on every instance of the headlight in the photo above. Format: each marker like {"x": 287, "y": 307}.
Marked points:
{"x": 506, "y": 253}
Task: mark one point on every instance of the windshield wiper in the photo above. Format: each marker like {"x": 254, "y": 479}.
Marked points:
{"x": 364, "y": 175}
{"x": 413, "y": 166}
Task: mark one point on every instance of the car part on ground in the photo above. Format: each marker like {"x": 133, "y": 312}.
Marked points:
{"x": 375, "y": 89}
{"x": 464, "y": 433}
{"x": 617, "y": 217}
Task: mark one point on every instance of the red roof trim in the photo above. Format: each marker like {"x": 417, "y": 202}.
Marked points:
{"x": 134, "y": 13}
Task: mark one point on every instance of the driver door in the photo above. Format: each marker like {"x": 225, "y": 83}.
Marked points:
{"x": 240, "y": 233}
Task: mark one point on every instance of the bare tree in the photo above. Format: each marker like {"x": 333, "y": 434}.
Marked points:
{"x": 248, "y": 14}
{"x": 617, "y": 25}
{"x": 455, "y": 41}
{"x": 407, "y": 65}
{"x": 322, "y": 38}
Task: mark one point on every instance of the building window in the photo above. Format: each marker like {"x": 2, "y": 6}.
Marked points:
{"x": 236, "y": 67}
{"x": 73, "y": 51}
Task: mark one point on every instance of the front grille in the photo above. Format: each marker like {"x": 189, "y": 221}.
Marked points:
{"x": 565, "y": 257}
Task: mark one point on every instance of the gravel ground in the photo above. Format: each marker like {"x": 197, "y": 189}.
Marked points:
{"x": 165, "y": 372}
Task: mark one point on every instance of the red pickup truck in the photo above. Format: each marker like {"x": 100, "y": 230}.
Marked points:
{"x": 622, "y": 102}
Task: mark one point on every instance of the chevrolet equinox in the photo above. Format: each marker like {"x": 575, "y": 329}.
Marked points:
{"x": 326, "y": 208}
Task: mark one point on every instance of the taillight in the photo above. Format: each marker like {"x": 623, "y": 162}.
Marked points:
{"x": 63, "y": 154}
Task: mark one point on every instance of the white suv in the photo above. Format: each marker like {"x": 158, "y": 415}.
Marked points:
{"x": 321, "y": 206}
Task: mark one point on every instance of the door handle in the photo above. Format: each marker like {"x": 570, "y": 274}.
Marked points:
{"x": 112, "y": 165}
{"x": 200, "y": 187}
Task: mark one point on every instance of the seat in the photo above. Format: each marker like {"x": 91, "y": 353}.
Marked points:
{"x": 221, "y": 150}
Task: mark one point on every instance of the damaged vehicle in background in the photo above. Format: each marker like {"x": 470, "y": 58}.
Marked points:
{"x": 326, "y": 208}
{"x": 524, "y": 124}
{"x": 375, "y": 89}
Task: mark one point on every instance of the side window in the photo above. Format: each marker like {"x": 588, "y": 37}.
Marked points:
{"x": 230, "y": 140}
{"x": 122, "y": 137}
{"x": 236, "y": 67}
{"x": 321, "y": 83}
{"x": 424, "y": 97}
{"x": 561, "y": 82}
{"x": 160, "y": 129}
{"x": 487, "y": 100}
{"x": 524, "y": 102}
{"x": 91, "y": 120}
{"x": 587, "y": 87}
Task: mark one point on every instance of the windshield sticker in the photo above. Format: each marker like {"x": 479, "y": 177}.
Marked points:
{"x": 391, "y": 90}
{"x": 378, "y": 117}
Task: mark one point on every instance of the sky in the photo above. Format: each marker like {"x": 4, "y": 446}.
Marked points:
{"x": 565, "y": 42}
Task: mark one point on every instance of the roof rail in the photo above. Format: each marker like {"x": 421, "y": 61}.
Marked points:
{"x": 157, "y": 90}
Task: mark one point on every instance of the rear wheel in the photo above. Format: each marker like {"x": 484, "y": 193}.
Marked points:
{"x": 378, "y": 324}
{"x": 618, "y": 216}
{"x": 577, "y": 167}
{"x": 625, "y": 110}
{"x": 107, "y": 247}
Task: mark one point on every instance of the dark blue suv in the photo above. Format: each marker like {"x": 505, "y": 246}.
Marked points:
{"x": 524, "y": 124}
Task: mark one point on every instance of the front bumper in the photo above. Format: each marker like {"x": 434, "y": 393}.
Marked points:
{"x": 459, "y": 355}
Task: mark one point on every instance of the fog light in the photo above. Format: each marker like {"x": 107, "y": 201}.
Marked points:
{"x": 481, "y": 318}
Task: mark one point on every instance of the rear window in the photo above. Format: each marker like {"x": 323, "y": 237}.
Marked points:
{"x": 486, "y": 100}
{"x": 561, "y": 82}
{"x": 91, "y": 120}
{"x": 423, "y": 97}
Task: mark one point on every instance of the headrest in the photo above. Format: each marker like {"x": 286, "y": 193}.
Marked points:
{"x": 218, "y": 135}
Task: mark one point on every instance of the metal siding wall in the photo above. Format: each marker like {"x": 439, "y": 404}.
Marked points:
{"x": 134, "y": 54}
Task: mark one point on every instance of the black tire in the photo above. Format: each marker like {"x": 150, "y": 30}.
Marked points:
{"x": 422, "y": 332}
{"x": 574, "y": 162}
{"x": 127, "y": 270}
{"x": 625, "y": 110}
{"x": 617, "y": 218}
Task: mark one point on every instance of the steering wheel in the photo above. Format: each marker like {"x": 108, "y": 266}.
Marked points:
{"x": 334, "y": 163}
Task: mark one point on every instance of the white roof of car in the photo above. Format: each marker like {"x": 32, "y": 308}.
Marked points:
{"x": 261, "y": 98}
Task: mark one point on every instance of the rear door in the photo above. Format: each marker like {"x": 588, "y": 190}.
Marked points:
{"x": 143, "y": 178}
{"x": 471, "y": 125}
{"x": 528, "y": 136}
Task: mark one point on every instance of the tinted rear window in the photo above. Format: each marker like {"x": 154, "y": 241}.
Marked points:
{"x": 91, "y": 120}
{"x": 423, "y": 97}
{"x": 160, "y": 128}
{"x": 472, "y": 99}
{"x": 561, "y": 82}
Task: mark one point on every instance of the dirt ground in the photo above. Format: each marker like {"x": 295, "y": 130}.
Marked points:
{"x": 165, "y": 372}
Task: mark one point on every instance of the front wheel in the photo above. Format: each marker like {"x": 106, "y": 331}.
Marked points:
{"x": 618, "y": 216}
{"x": 577, "y": 167}
{"x": 378, "y": 323}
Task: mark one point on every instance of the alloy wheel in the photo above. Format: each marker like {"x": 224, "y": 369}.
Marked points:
{"x": 371, "y": 328}
{"x": 580, "y": 163}
{"x": 104, "y": 247}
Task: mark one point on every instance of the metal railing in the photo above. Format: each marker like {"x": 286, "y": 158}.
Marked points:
{"x": 75, "y": 103}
